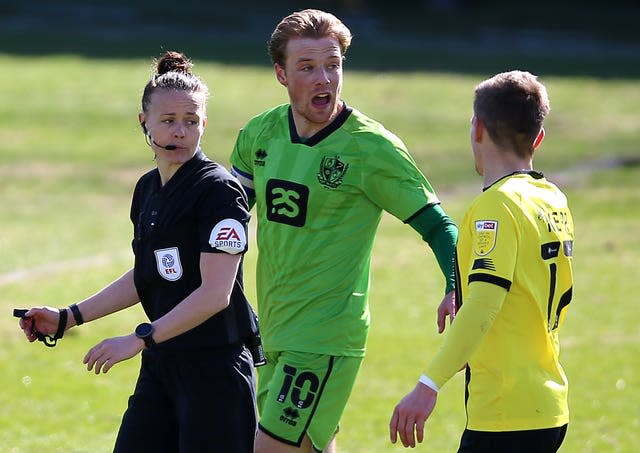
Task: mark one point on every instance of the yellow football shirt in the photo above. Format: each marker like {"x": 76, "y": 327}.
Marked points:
{"x": 517, "y": 235}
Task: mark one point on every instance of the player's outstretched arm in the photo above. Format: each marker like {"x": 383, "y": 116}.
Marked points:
{"x": 438, "y": 230}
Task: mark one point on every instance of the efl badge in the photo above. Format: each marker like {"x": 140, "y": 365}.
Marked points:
{"x": 485, "y": 238}
{"x": 332, "y": 170}
{"x": 168, "y": 263}
{"x": 228, "y": 236}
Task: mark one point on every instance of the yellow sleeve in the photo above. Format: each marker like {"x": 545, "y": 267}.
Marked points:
{"x": 474, "y": 319}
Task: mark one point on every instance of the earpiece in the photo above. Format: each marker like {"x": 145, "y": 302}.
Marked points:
{"x": 148, "y": 134}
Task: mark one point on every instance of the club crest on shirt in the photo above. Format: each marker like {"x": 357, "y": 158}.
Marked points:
{"x": 332, "y": 170}
{"x": 168, "y": 263}
{"x": 261, "y": 155}
{"x": 484, "y": 240}
{"x": 228, "y": 236}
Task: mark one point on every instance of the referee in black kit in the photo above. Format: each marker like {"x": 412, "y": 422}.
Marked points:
{"x": 196, "y": 388}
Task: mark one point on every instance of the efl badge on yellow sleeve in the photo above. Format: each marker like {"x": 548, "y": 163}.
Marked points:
{"x": 485, "y": 238}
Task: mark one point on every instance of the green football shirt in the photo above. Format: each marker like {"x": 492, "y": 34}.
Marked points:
{"x": 517, "y": 235}
{"x": 319, "y": 203}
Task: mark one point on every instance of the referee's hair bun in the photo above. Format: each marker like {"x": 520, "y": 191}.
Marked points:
{"x": 174, "y": 61}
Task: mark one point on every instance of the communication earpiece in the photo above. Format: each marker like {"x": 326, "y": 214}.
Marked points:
{"x": 150, "y": 139}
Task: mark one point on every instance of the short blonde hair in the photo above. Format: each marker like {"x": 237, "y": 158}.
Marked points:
{"x": 308, "y": 23}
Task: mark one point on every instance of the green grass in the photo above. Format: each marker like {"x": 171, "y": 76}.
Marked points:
{"x": 72, "y": 151}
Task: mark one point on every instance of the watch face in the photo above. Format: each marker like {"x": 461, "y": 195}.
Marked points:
{"x": 144, "y": 330}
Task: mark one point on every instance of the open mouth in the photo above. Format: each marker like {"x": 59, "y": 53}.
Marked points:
{"x": 321, "y": 100}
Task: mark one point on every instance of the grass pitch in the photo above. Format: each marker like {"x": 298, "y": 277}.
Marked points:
{"x": 72, "y": 151}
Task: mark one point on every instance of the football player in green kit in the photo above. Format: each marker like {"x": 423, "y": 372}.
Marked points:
{"x": 514, "y": 261}
{"x": 321, "y": 173}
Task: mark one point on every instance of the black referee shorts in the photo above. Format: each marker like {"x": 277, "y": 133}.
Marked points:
{"x": 191, "y": 402}
{"x": 529, "y": 441}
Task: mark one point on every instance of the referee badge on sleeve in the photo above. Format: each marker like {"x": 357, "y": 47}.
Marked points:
{"x": 168, "y": 263}
{"x": 228, "y": 236}
{"x": 484, "y": 239}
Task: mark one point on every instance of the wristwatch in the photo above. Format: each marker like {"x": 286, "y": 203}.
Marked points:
{"x": 145, "y": 332}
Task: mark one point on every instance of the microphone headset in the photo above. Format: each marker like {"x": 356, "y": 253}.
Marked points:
{"x": 147, "y": 137}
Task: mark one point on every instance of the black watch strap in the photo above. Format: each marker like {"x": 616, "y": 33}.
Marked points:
{"x": 149, "y": 342}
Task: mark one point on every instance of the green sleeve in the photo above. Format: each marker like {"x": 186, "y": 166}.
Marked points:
{"x": 481, "y": 307}
{"x": 441, "y": 233}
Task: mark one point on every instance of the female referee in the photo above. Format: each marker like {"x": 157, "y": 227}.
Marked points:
{"x": 196, "y": 387}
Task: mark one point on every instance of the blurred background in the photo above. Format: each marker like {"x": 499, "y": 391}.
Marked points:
{"x": 586, "y": 37}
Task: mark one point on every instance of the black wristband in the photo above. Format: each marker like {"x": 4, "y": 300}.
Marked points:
{"x": 62, "y": 323}
{"x": 75, "y": 311}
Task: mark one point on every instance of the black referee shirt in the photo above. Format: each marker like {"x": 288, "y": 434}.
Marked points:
{"x": 202, "y": 208}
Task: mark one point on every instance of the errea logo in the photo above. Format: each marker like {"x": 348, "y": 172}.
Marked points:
{"x": 289, "y": 416}
{"x": 228, "y": 236}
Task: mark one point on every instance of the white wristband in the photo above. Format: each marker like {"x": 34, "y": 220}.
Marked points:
{"x": 426, "y": 380}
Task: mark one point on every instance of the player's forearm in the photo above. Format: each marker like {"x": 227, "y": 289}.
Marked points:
{"x": 438, "y": 230}
{"x": 443, "y": 245}
{"x": 476, "y": 316}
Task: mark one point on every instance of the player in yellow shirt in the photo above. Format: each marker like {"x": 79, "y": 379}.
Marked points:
{"x": 515, "y": 281}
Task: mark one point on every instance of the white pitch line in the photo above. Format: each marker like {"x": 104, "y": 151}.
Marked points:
{"x": 56, "y": 267}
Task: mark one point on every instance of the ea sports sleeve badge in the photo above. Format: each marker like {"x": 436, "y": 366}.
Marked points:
{"x": 228, "y": 236}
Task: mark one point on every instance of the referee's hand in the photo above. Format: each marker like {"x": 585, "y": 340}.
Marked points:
{"x": 39, "y": 319}
{"x": 410, "y": 415}
{"x": 108, "y": 352}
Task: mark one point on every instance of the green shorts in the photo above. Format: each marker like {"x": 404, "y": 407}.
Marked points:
{"x": 304, "y": 393}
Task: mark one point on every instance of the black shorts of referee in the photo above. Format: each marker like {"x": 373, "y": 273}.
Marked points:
{"x": 191, "y": 402}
